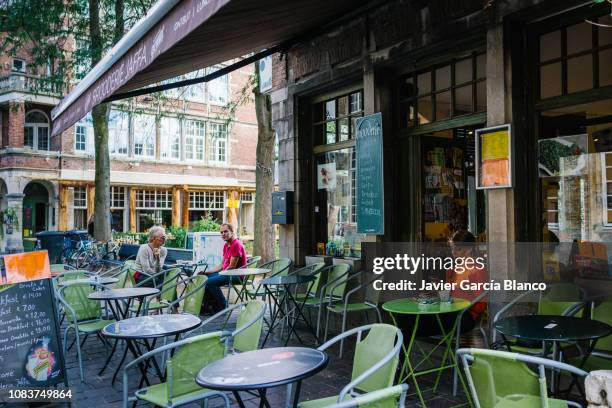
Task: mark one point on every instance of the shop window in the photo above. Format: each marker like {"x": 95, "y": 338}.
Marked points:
{"x": 170, "y": 138}
{"x": 194, "y": 140}
{"x": 79, "y": 205}
{"x": 450, "y": 200}
{"x": 144, "y": 135}
{"x": 36, "y": 131}
{"x": 118, "y": 132}
{"x": 117, "y": 207}
{"x": 335, "y": 119}
{"x": 247, "y": 197}
{"x": 153, "y": 207}
{"x": 205, "y": 204}
{"x": 605, "y": 67}
{"x": 336, "y": 185}
{"x": 568, "y": 57}
{"x": 575, "y": 169}
{"x": 443, "y": 92}
{"x": 218, "y": 143}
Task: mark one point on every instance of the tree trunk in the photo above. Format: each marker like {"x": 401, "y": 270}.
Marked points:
{"x": 100, "y": 115}
{"x": 263, "y": 244}
{"x": 102, "y": 228}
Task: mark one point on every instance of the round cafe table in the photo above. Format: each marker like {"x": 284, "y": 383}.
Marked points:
{"x": 261, "y": 369}
{"x": 115, "y": 297}
{"x": 119, "y": 302}
{"x": 102, "y": 280}
{"x": 553, "y": 330}
{"x": 243, "y": 276}
{"x": 279, "y": 292}
{"x": 148, "y": 329}
{"x": 412, "y": 307}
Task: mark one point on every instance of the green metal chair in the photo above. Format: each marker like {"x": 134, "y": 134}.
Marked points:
{"x": 85, "y": 315}
{"x": 61, "y": 267}
{"x": 315, "y": 270}
{"x": 168, "y": 291}
{"x": 348, "y": 305}
{"x": 332, "y": 292}
{"x": 502, "y": 379}
{"x": 249, "y": 324}
{"x": 390, "y": 397}
{"x": 252, "y": 261}
{"x": 73, "y": 274}
{"x": 182, "y": 367}
{"x": 601, "y": 357}
{"x": 191, "y": 298}
{"x": 561, "y": 299}
{"x": 278, "y": 267}
{"x": 247, "y": 281}
{"x": 374, "y": 363}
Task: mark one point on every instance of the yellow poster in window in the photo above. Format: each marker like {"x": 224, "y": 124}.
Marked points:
{"x": 495, "y": 145}
{"x": 231, "y": 203}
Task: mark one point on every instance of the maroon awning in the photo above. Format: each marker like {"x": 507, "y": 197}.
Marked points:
{"x": 194, "y": 34}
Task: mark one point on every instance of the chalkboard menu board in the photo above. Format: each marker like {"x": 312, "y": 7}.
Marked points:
{"x": 30, "y": 345}
{"x": 370, "y": 191}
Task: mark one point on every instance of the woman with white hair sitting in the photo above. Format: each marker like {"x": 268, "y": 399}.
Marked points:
{"x": 151, "y": 256}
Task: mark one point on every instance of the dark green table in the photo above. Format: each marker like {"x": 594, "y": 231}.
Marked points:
{"x": 552, "y": 330}
{"x": 411, "y": 307}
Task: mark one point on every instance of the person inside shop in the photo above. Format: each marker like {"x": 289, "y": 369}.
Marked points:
{"x": 151, "y": 256}
{"x": 463, "y": 245}
{"x": 234, "y": 256}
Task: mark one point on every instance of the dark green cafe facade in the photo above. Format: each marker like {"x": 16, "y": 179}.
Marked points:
{"x": 439, "y": 72}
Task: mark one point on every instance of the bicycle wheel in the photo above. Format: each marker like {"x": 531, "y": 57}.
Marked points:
{"x": 81, "y": 259}
{"x": 66, "y": 256}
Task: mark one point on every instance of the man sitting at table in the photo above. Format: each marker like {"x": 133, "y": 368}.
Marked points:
{"x": 234, "y": 256}
{"x": 151, "y": 256}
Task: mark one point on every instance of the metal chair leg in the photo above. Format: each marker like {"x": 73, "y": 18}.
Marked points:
{"x": 326, "y": 325}
{"x": 344, "y": 315}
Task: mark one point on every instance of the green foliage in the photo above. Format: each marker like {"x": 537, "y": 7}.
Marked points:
{"x": 206, "y": 223}
{"x": 176, "y": 237}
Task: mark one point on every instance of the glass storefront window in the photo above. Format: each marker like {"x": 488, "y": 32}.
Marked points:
{"x": 575, "y": 58}
{"x": 575, "y": 168}
{"x": 334, "y": 118}
{"x": 443, "y": 92}
{"x": 450, "y": 199}
{"x": 335, "y": 176}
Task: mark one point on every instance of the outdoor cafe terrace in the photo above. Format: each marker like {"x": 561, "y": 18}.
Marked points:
{"x": 289, "y": 337}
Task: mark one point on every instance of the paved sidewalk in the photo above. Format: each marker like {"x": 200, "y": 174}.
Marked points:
{"x": 98, "y": 392}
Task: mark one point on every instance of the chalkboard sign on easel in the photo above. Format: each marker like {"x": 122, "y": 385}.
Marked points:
{"x": 30, "y": 342}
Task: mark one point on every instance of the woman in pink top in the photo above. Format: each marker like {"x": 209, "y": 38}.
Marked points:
{"x": 234, "y": 257}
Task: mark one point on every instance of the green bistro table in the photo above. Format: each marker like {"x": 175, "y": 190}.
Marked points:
{"x": 411, "y": 307}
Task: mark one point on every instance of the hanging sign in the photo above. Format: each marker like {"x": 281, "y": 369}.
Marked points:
{"x": 370, "y": 180}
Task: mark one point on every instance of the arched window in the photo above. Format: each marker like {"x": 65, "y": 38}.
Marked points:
{"x": 36, "y": 130}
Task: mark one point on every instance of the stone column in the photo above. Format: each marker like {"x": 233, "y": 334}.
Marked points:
{"x": 14, "y": 240}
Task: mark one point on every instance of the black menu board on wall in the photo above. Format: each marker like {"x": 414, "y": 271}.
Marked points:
{"x": 30, "y": 342}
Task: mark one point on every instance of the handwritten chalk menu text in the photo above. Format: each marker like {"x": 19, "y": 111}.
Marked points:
{"x": 370, "y": 192}
{"x": 30, "y": 347}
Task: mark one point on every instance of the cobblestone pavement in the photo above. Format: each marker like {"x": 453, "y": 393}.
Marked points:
{"x": 97, "y": 390}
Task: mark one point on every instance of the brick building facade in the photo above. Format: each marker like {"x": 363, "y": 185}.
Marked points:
{"x": 439, "y": 72}
{"x": 174, "y": 158}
